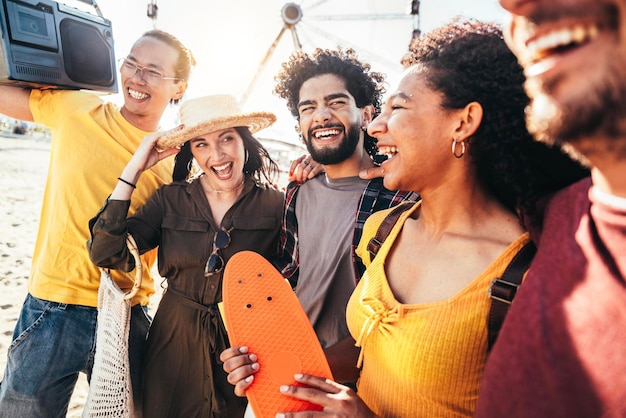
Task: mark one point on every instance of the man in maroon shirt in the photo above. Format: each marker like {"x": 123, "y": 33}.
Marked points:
{"x": 562, "y": 349}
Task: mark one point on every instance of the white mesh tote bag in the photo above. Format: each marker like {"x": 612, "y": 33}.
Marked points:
{"x": 110, "y": 390}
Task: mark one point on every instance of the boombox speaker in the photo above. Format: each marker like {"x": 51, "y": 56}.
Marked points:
{"x": 46, "y": 44}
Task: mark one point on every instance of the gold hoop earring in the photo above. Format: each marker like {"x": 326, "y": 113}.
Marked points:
{"x": 454, "y": 142}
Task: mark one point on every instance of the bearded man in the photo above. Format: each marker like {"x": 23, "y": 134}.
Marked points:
{"x": 333, "y": 96}
{"x": 562, "y": 349}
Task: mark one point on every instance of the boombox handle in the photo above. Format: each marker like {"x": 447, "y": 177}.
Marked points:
{"x": 95, "y": 6}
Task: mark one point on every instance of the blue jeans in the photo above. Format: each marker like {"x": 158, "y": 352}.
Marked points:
{"x": 52, "y": 343}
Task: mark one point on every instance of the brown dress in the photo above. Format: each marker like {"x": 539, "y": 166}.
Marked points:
{"x": 183, "y": 376}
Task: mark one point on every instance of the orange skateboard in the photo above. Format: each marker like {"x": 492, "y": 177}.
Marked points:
{"x": 262, "y": 312}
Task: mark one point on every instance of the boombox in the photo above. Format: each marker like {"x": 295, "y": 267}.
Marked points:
{"x": 52, "y": 45}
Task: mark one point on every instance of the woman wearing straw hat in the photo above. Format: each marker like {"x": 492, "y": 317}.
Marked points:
{"x": 221, "y": 201}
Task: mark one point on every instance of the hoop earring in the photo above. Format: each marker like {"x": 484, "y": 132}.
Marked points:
{"x": 194, "y": 170}
{"x": 454, "y": 142}
{"x": 364, "y": 128}
{"x": 246, "y": 159}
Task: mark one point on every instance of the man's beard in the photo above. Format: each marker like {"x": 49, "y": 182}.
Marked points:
{"x": 332, "y": 155}
{"x": 591, "y": 123}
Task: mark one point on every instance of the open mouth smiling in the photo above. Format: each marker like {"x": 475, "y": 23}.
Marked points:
{"x": 137, "y": 95}
{"x": 574, "y": 33}
{"x": 222, "y": 170}
{"x": 388, "y": 151}
{"x": 326, "y": 134}
{"x": 561, "y": 40}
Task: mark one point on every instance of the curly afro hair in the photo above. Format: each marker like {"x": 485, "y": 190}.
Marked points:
{"x": 366, "y": 86}
{"x": 468, "y": 61}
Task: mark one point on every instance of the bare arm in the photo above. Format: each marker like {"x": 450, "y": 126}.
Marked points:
{"x": 14, "y": 103}
{"x": 144, "y": 157}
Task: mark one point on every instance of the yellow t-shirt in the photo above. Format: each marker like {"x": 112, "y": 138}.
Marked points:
{"x": 423, "y": 360}
{"x": 91, "y": 144}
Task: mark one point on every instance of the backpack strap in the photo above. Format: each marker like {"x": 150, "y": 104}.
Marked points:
{"x": 385, "y": 228}
{"x": 503, "y": 290}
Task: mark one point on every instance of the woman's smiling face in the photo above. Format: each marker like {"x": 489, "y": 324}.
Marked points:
{"x": 415, "y": 132}
{"x": 221, "y": 155}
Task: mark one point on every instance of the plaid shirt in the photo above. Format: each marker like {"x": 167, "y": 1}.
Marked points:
{"x": 374, "y": 198}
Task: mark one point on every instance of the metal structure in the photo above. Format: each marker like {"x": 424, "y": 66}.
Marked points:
{"x": 292, "y": 14}
{"x": 152, "y": 12}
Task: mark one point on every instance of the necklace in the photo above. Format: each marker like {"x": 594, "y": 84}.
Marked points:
{"x": 206, "y": 183}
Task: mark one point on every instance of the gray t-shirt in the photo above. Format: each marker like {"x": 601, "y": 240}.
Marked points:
{"x": 326, "y": 212}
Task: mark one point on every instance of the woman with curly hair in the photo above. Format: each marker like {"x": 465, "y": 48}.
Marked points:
{"x": 454, "y": 131}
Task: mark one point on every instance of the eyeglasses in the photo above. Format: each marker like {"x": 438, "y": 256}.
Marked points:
{"x": 215, "y": 263}
{"x": 151, "y": 76}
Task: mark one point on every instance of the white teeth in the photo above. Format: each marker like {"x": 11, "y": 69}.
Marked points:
{"x": 329, "y": 132}
{"x": 543, "y": 45}
{"x": 388, "y": 151}
{"x": 221, "y": 167}
{"x": 137, "y": 95}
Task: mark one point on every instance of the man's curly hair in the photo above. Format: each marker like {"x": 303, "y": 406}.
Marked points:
{"x": 468, "y": 61}
{"x": 366, "y": 86}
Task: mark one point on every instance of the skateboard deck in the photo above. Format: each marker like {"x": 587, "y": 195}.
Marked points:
{"x": 262, "y": 312}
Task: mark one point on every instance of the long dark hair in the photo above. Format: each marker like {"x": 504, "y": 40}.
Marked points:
{"x": 259, "y": 164}
{"x": 468, "y": 61}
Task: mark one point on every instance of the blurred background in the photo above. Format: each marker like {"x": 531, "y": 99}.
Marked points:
{"x": 239, "y": 45}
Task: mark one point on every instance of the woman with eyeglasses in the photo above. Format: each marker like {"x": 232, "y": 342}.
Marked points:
{"x": 222, "y": 201}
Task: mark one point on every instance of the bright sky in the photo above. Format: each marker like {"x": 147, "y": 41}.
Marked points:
{"x": 230, "y": 38}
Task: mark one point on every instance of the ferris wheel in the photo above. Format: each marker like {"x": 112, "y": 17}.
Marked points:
{"x": 313, "y": 17}
{"x": 293, "y": 14}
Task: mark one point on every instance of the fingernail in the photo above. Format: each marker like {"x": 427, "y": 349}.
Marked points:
{"x": 280, "y": 415}
{"x": 248, "y": 379}
{"x": 298, "y": 376}
{"x": 243, "y": 349}
{"x": 254, "y": 366}
{"x": 253, "y": 357}
{"x": 284, "y": 388}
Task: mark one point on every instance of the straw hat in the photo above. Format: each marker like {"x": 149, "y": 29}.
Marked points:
{"x": 213, "y": 113}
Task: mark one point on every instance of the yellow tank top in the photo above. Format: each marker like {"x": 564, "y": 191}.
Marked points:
{"x": 423, "y": 360}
